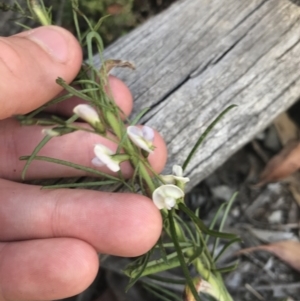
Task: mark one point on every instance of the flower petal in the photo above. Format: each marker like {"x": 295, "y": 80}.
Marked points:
{"x": 136, "y": 136}
{"x": 104, "y": 155}
{"x": 50, "y": 132}
{"x": 159, "y": 202}
{"x": 87, "y": 113}
{"x": 177, "y": 170}
{"x": 113, "y": 165}
{"x": 97, "y": 162}
{"x": 148, "y": 133}
{"x": 168, "y": 179}
{"x": 170, "y": 202}
{"x": 165, "y": 196}
{"x": 134, "y": 131}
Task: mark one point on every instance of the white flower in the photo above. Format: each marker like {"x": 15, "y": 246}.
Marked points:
{"x": 177, "y": 176}
{"x": 165, "y": 196}
{"x": 50, "y": 132}
{"x": 142, "y": 137}
{"x": 87, "y": 113}
{"x": 104, "y": 157}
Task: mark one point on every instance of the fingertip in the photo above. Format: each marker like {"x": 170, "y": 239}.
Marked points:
{"x": 47, "y": 269}
{"x": 158, "y": 158}
{"x": 143, "y": 228}
{"x": 81, "y": 265}
{"x": 31, "y": 62}
{"x": 59, "y": 43}
{"x": 121, "y": 94}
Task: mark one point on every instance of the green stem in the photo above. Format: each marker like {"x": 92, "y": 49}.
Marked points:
{"x": 218, "y": 291}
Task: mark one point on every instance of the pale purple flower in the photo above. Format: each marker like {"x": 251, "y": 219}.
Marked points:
{"x": 142, "y": 137}
{"x": 104, "y": 156}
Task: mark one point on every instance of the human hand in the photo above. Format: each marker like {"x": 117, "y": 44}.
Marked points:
{"x": 49, "y": 239}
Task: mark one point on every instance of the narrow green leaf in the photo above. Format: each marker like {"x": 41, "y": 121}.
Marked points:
{"x": 227, "y": 269}
{"x": 58, "y": 120}
{"x": 71, "y": 119}
{"x": 201, "y": 225}
{"x": 159, "y": 265}
{"x": 183, "y": 244}
{"x": 20, "y": 8}
{"x": 156, "y": 294}
{"x": 140, "y": 272}
{"x": 225, "y": 215}
{"x": 167, "y": 280}
{"x": 84, "y": 184}
{"x": 73, "y": 91}
{"x": 204, "y": 135}
{"x": 99, "y": 43}
{"x": 99, "y": 23}
{"x": 181, "y": 258}
{"x": 162, "y": 250}
{"x": 187, "y": 228}
{"x": 23, "y": 25}
{"x": 225, "y": 247}
{"x": 73, "y": 165}
{"x": 196, "y": 254}
{"x": 88, "y": 22}
{"x": 29, "y": 159}
{"x": 212, "y": 224}
{"x": 50, "y": 103}
{"x": 161, "y": 291}
{"x": 142, "y": 185}
{"x": 139, "y": 116}
{"x": 75, "y": 20}
{"x": 198, "y": 233}
{"x": 86, "y": 81}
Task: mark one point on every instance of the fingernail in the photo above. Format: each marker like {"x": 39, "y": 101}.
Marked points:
{"x": 52, "y": 40}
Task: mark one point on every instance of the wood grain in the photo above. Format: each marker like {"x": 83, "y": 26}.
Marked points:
{"x": 198, "y": 57}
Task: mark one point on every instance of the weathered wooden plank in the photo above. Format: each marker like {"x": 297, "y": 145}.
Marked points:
{"x": 198, "y": 57}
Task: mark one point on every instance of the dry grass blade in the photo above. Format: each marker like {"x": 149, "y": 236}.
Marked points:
{"x": 287, "y": 130}
{"x": 288, "y": 251}
{"x": 282, "y": 165}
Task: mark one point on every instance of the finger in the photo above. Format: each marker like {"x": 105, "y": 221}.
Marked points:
{"x": 30, "y": 63}
{"x": 76, "y": 147}
{"x": 120, "y": 93}
{"x": 46, "y": 269}
{"x": 122, "y": 224}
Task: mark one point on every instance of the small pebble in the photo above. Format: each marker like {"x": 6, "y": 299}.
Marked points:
{"x": 235, "y": 212}
{"x": 275, "y": 217}
{"x": 222, "y": 192}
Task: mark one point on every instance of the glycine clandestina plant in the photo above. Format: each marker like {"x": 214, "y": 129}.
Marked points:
{"x": 183, "y": 243}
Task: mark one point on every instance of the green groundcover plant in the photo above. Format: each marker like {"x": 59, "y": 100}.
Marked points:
{"x": 183, "y": 242}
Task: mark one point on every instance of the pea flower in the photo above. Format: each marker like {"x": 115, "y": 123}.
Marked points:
{"x": 57, "y": 131}
{"x": 176, "y": 177}
{"x": 50, "y": 132}
{"x": 87, "y": 113}
{"x": 165, "y": 196}
{"x": 104, "y": 156}
{"x": 142, "y": 137}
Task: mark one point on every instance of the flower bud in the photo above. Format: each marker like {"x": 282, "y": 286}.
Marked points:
{"x": 90, "y": 115}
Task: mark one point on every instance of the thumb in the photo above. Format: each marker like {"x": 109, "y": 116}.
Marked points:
{"x": 30, "y": 62}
